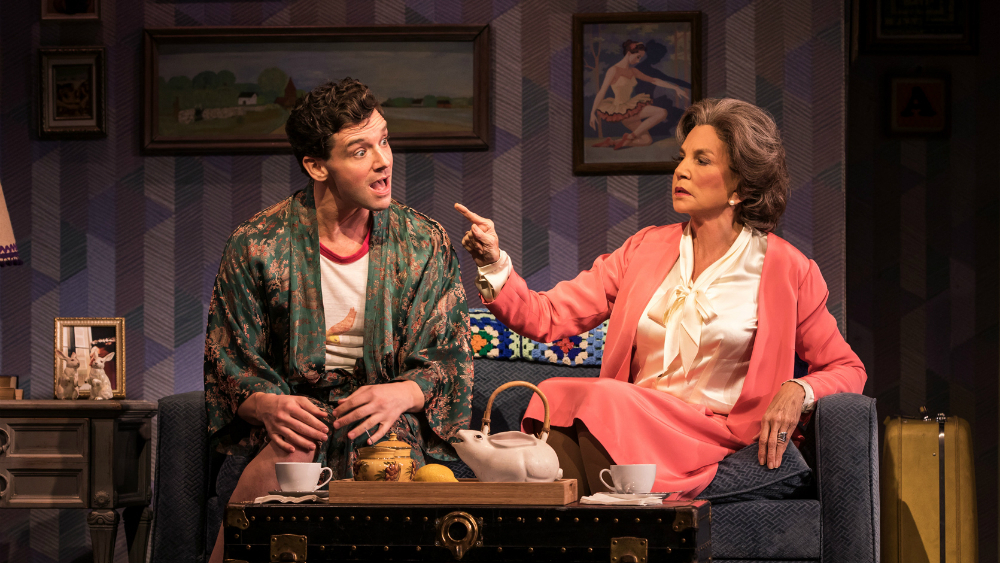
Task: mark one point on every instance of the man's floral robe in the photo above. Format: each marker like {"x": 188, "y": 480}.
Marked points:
{"x": 266, "y": 329}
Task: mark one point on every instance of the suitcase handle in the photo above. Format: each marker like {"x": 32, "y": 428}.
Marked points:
{"x": 941, "y": 419}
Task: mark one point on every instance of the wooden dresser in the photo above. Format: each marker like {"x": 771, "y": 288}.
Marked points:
{"x": 81, "y": 454}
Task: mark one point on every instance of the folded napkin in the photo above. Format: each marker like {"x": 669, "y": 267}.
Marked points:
{"x": 282, "y": 498}
{"x": 622, "y": 499}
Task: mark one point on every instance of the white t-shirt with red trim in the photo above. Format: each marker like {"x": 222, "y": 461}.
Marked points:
{"x": 344, "y": 280}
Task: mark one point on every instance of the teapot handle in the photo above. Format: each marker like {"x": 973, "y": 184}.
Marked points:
{"x": 544, "y": 434}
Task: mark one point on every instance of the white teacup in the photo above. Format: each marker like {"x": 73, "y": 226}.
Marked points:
{"x": 636, "y": 478}
{"x": 297, "y": 477}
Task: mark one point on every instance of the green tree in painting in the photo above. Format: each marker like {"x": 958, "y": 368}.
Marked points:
{"x": 430, "y": 101}
{"x": 205, "y": 80}
{"x": 273, "y": 80}
{"x": 226, "y": 79}
{"x": 179, "y": 83}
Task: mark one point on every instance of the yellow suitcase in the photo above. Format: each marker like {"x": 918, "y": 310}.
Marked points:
{"x": 927, "y": 470}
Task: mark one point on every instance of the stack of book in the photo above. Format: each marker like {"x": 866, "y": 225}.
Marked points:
{"x": 8, "y": 388}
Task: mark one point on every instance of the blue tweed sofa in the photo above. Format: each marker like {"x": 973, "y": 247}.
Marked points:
{"x": 831, "y": 515}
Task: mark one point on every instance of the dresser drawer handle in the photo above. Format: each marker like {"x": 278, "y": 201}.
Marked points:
{"x": 6, "y": 441}
{"x": 3, "y": 489}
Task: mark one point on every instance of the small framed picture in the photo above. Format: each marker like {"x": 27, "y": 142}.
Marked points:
{"x": 89, "y": 358}
{"x": 73, "y": 85}
{"x": 918, "y": 105}
{"x": 71, "y": 10}
{"x": 918, "y": 26}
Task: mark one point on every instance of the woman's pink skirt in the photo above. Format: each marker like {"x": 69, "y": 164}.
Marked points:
{"x": 639, "y": 425}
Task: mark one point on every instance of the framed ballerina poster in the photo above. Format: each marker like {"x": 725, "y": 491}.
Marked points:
{"x": 634, "y": 74}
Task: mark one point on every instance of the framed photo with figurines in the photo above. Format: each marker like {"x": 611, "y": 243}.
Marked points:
{"x": 89, "y": 358}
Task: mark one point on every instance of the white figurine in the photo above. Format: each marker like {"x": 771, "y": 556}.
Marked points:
{"x": 68, "y": 382}
{"x": 512, "y": 457}
{"x": 100, "y": 385}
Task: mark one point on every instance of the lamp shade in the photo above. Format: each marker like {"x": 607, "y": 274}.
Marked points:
{"x": 8, "y": 246}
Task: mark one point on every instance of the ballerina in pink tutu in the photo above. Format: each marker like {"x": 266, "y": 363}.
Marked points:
{"x": 635, "y": 112}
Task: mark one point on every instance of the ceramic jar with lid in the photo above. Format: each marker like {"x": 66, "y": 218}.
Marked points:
{"x": 388, "y": 460}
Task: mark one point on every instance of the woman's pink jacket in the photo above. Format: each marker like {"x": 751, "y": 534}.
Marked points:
{"x": 791, "y": 318}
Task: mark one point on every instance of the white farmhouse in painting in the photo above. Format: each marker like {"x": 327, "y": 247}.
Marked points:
{"x": 246, "y": 99}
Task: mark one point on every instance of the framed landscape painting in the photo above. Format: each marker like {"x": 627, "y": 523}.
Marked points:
{"x": 634, "y": 74}
{"x": 229, "y": 90}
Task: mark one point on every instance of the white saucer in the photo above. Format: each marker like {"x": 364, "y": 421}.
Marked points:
{"x": 322, "y": 493}
{"x": 629, "y": 496}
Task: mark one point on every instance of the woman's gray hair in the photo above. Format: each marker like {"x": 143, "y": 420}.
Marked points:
{"x": 756, "y": 155}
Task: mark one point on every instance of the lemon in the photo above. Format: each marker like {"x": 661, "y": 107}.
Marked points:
{"x": 435, "y": 473}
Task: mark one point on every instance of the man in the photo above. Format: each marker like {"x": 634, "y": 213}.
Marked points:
{"x": 337, "y": 313}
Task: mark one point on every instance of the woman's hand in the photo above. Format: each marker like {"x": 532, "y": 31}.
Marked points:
{"x": 593, "y": 121}
{"x": 781, "y": 415}
{"x": 292, "y": 421}
{"x": 481, "y": 239}
{"x": 380, "y": 404}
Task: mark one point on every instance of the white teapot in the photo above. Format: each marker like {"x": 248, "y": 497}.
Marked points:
{"x": 510, "y": 457}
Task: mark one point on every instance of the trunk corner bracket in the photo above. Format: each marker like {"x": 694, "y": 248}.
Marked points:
{"x": 236, "y": 518}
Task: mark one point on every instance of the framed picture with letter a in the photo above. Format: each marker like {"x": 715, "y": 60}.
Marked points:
{"x": 918, "y": 105}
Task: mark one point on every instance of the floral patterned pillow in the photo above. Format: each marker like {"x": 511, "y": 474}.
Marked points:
{"x": 583, "y": 349}
{"x": 491, "y": 338}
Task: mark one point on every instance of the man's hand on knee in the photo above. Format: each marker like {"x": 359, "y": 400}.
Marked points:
{"x": 292, "y": 422}
{"x": 378, "y": 404}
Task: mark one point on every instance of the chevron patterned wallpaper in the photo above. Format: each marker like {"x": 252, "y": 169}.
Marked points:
{"x": 108, "y": 232}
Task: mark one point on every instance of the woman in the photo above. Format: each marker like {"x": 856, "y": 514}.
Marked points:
{"x": 635, "y": 112}
{"x": 706, "y": 318}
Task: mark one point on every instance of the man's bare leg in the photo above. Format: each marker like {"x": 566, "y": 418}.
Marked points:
{"x": 257, "y": 480}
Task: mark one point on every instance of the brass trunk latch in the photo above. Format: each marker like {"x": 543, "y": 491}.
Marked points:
{"x": 236, "y": 518}
{"x": 629, "y": 550}
{"x": 288, "y": 547}
{"x": 461, "y": 545}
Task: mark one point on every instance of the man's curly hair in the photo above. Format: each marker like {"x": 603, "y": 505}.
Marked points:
{"x": 323, "y": 112}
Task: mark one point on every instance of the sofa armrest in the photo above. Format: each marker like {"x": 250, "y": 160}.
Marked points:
{"x": 181, "y": 479}
{"x": 846, "y": 469}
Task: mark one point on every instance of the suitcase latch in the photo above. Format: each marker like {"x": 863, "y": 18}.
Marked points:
{"x": 629, "y": 550}
{"x": 288, "y": 547}
{"x": 458, "y": 532}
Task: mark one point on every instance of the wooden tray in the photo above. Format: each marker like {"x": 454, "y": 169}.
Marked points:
{"x": 465, "y": 492}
